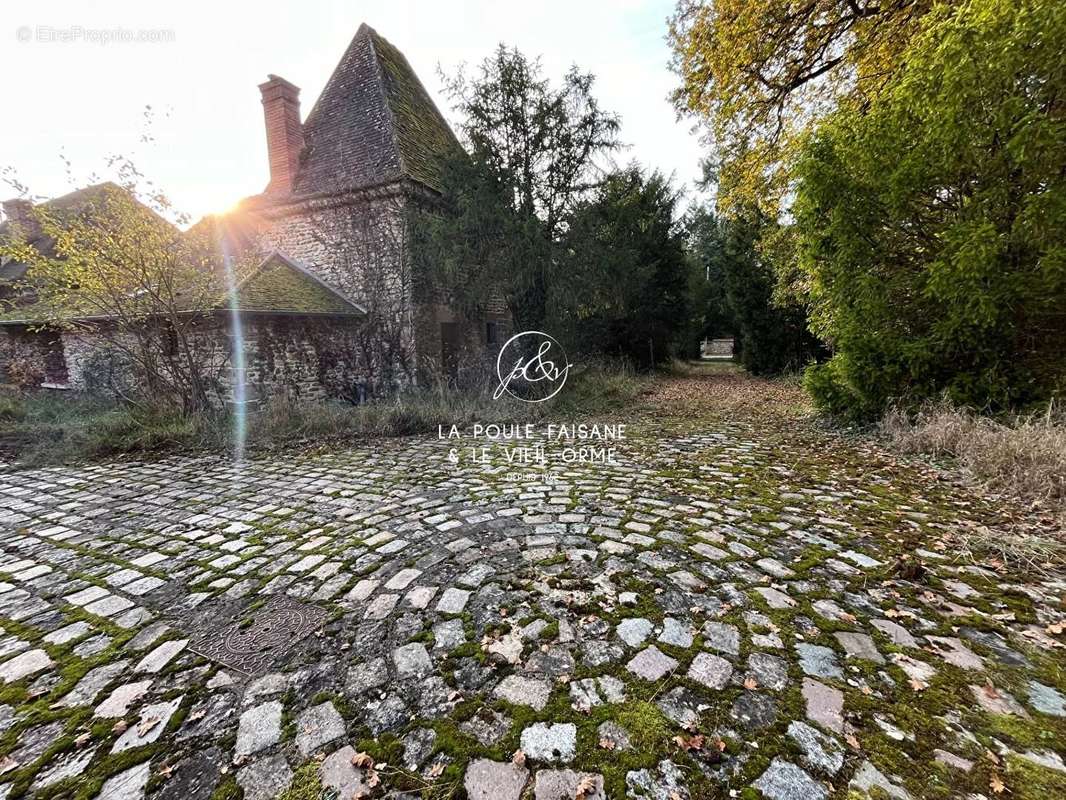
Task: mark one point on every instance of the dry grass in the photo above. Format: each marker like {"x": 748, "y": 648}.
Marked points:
{"x": 1024, "y": 457}
{"x": 1027, "y": 552}
{"x": 40, "y": 427}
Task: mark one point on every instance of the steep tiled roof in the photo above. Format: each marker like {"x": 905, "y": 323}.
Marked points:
{"x": 373, "y": 123}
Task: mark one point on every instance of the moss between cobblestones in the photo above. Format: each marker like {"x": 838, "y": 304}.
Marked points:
{"x": 550, "y": 632}
{"x": 289, "y": 702}
{"x": 227, "y": 789}
{"x": 425, "y": 637}
{"x": 87, "y": 785}
{"x": 1029, "y": 781}
{"x": 649, "y": 733}
{"x": 113, "y": 561}
{"x": 305, "y": 784}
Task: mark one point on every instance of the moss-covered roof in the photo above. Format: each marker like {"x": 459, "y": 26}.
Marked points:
{"x": 276, "y": 286}
{"x": 281, "y": 286}
{"x": 422, "y": 134}
{"x": 373, "y": 123}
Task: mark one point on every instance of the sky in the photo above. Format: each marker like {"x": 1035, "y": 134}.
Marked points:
{"x": 80, "y": 76}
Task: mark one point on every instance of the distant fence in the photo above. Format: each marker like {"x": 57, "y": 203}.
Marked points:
{"x": 716, "y": 348}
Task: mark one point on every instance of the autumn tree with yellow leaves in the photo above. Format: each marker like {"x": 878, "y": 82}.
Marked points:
{"x": 758, "y": 73}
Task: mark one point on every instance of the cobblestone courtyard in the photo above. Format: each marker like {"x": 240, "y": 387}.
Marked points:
{"x": 724, "y": 612}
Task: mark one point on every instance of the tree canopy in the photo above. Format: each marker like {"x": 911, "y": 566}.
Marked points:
{"x": 757, "y": 72}
{"x": 532, "y": 157}
{"x": 625, "y": 290}
{"x": 932, "y": 225}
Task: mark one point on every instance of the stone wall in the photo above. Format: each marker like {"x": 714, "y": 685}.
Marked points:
{"x": 295, "y": 357}
{"x": 716, "y": 348}
{"x": 474, "y": 363}
{"x": 358, "y": 244}
{"x": 301, "y": 358}
{"x": 31, "y": 357}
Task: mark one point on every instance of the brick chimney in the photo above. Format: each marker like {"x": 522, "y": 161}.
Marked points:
{"x": 19, "y": 212}
{"x": 285, "y": 138}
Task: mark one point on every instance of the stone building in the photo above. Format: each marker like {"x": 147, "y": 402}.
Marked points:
{"x": 297, "y": 336}
{"x": 331, "y": 229}
{"x": 342, "y": 183}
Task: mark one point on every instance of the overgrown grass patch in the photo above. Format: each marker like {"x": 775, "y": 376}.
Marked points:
{"x": 41, "y": 427}
{"x": 1024, "y": 455}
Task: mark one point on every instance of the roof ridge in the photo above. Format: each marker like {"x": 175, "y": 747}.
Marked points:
{"x": 344, "y": 54}
{"x": 298, "y": 268}
{"x": 380, "y": 70}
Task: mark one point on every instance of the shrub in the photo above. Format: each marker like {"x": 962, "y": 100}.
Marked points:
{"x": 932, "y": 224}
{"x": 45, "y": 427}
{"x": 11, "y": 408}
{"x": 824, "y": 384}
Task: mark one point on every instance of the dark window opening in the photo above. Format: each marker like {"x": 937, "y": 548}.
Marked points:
{"x": 450, "y": 345}
{"x": 492, "y": 333}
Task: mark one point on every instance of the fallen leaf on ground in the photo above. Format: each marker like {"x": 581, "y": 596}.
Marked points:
{"x": 585, "y": 788}
{"x": 372, "y": 778}
{"x": 363, "y": 761}
{"x": 689, "y": 742}
{"x": 146, "y": 725}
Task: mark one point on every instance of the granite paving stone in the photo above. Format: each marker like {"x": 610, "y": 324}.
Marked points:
{"x": 259, "y": 728}
{"x": 546, "y": 742}
{"x": 712, "y": 671}
{"x": 117, "y": 704}
{"x": 338, "y": 773}
{"x": 493, "y": 780}
{"x": 25, "y": 664}
{"x": 128, "y": 784}
{"x": 266, "y": 778}
{"x": 785, "y": 781}
{"x": 87, "y": 689}
{"x": 564, "y": 784}
{"x": 651, "y": 664}
{"x": 824, "y": 705}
